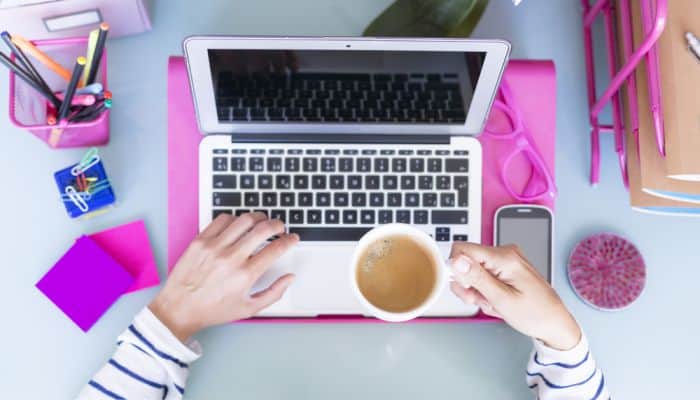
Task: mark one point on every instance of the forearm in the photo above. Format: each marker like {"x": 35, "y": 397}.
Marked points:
{"x": 572, "y": 374}
{"x": 149, "y": 363}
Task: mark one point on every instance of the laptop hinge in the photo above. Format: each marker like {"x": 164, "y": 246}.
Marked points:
{"x": 339, "y": 139}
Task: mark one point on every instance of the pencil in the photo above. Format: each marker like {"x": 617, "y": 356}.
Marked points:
{"x": 97, "y": 56}
{"x": 22, "y": 74}
{"x": 92, "y": 42}
{"x": 49, "y": 62}
{"x": 70, "y": 90}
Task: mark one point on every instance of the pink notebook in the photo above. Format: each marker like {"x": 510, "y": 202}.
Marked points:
{"x": 524, "y": 78}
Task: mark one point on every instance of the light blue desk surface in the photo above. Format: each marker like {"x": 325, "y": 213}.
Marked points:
{"x": 649, "y": 351}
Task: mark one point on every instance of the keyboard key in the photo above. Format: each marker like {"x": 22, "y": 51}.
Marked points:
{"x": 398, "y": 165}
{"x": 376, "y": 199}
{"x": 337, "y": 182}
{"x": 408, "y": 182}
{"x": 331, "y": 151}
{"x": 457, "y": 165}
{"x": 238, "y": 213}
{"x": 411, "y": 200}
{"x": 252, "y": 199}
{"x": 274, "y": 164}
{"x": 226, "y": 199}
{"x": 224, "y": 181}
{"x": 220, "y": 164}
{"x": 364, "y": 164}
{"x": 381, "y": 165}
{"x": 389, "y": 182}
{"x": 425, "y": 182}
{"x": 340, "y": 199}
{"x": 420, "y": 217}
{"x": 220, "y": 151}
{"x": 237, "y": 164}
{"x": 417, "y": 165}
{"x": 394, "y": 199}
{"x": 346, "y": 164}
{"x": 287, "y": 199}
{"x": 367, "y": 217}
{"x": 332, "y": 216}
{"x": 372, "y": 182}
{"x": 385, "y": 216}
{"x": 313, "y": 216}
{"x": 269, "y": 199}
{"x": 424, "y": 152}
{"x": 442, "y": 234}
{"x": 279, "y": 214}
{"x": 369, "y": 152}
{"x": 447, "y": 199}
{"x": 255, "y": 164}
{"x": 354, "y": 182}
{"x": 328, "y": 164}
{"x": 247, "y": 181}
{"x": 443, "y": 182}
{"x": 462, "y": 186}
{"x": 350, "y": 152}
{"x": 283, "y": 182}
{"x": 306, "y": 199}
{"x": 403, "y": 216}
{"x": 387, "y": 152}
{"x": 216, "y": 213}
{"x": 301, "y": 182}
{"x": 434, "y": 165}
{"x": 291, "y": 164}
{"x": 349, "y": 216}
{"x": 323, "y": 199}
{"x": 296, "y": 217}
{"x": 460, "y": 238}
{"x": 264, "y": 181}
{"x": 318, "y": 182}
{"x": 310, "y": 164}
{"x": 430, "y": 200}
{"x": 448, "y": 217}
{"x": 442, "y": 152}
{"x": 359, "y": 199}
{"x": 318, "y": 234}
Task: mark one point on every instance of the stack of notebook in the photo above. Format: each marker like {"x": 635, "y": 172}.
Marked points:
{"x": 671, "y": 184}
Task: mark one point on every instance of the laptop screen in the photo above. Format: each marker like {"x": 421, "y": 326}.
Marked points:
{"x": 344, "y": 86}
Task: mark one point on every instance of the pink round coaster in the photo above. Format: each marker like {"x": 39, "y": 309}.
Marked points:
{"x": 606, "y": 271}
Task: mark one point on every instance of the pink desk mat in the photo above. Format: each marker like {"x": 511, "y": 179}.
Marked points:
{"x": 533, "y": 84}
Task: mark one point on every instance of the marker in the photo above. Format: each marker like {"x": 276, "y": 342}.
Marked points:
{"x": 55, "y": 134}
{"x": 97, "y": 56}
{"x": 95, "y": 88}
{"x": 26, "y": 46}
{"x": 80, "y": 99}
{"x": 50, "y": 115}
{"x": 28, "y": 66}
{"x": 22, "y": 74}
{"x": 92, "y": 43}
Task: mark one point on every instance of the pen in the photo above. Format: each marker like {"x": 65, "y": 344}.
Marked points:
{"x": 22, "y": 74}
{"x": 94, "y": 88}
{"x": 693, "y": 44}
{"x": 30, "y": 49}
{"x": 97, "y": 56}
{"x": 92, "y": 43}
{"x": 70, "y": 90}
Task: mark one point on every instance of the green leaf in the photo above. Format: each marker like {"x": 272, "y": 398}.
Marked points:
{"x": 428, "y": 18}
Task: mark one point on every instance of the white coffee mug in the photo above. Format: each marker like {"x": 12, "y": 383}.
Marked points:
{"x": 422, "y": 239}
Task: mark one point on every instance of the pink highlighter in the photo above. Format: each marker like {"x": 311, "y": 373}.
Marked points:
{"x": 79, "y": 99}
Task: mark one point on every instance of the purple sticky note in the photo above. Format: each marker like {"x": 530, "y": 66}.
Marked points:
{"x": 85, "y": 282}
{"x": 128, "y": 244}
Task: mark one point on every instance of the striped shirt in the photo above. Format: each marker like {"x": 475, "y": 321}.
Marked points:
{"x": 151, "y": 363}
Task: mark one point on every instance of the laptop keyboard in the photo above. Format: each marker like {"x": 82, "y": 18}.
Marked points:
{"x": 340, "y": 98}
{"x": 339, "y": 194}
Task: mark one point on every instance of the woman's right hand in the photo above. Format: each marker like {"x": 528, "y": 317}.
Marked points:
{"x": 503, "y": 284}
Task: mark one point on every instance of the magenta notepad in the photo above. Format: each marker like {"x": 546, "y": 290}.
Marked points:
{"x": 85, "y": 282}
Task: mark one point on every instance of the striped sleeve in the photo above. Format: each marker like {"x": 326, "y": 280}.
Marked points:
{"x": 149, "y": 363}
{"x": 571, "y": 374}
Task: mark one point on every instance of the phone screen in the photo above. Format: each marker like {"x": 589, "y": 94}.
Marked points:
{"x": 531, "y": 229}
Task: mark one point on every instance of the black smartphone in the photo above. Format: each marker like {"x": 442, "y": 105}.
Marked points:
{"x": 530, "y": 227}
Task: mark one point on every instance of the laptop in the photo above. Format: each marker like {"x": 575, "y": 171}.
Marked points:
{"x": 338, "y": 135}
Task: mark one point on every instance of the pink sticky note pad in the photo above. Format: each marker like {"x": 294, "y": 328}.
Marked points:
{"x": 129, "y": 245}
{"x": 85, "y": 282}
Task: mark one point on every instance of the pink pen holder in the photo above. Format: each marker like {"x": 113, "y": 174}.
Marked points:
{"x": 28, "y": 108}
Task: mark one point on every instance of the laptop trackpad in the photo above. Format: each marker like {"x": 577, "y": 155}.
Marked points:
{"x": 322, "y": 285}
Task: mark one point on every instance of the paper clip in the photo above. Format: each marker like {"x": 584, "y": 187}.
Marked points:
{"x": 76, "y": 198}
{"x": 91, "y": 158}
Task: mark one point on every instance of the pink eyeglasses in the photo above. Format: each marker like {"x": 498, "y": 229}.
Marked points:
{"x": 540, "y": 183}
